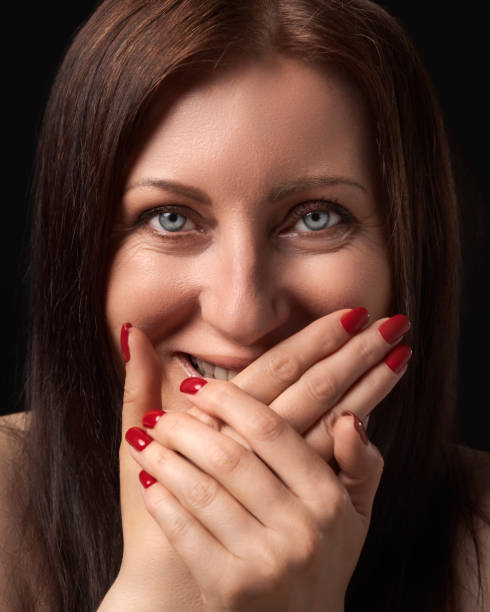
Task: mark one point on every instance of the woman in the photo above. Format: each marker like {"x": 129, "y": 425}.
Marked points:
{"x": 244, "y": 183}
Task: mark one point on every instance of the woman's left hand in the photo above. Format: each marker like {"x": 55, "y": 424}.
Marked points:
{"x": 272, "y": 527}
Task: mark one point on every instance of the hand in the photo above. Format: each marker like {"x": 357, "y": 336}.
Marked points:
{"x": 272, "y": 528}
{"x": 323, "y": 370}
{"x": 152, "y": 576}
{"x": 144, "y": 548}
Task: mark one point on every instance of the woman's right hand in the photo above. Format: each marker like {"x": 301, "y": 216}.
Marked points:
{"x": 310, "y": 378}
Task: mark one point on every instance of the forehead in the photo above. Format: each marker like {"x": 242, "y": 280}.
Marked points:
{"x": 274, "y": 117}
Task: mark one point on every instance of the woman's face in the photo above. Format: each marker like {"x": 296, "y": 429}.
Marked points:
{"x": 251, "y": 209}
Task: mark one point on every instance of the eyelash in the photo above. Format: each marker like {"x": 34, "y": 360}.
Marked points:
{"x": 298, "y": 212}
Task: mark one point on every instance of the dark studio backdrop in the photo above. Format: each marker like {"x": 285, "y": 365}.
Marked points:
{"x": 453, "y": 42}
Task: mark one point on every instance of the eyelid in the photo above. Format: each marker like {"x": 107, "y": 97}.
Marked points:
{"x": 319, "y": 204}
{"x": 146, "y": 216}
{"x": 297, "y": 212}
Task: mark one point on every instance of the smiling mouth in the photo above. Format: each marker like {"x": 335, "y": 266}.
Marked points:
{"x": 210, "y": 370}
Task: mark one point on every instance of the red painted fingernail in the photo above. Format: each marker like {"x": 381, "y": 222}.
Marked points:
{"x": 146, "y": 479}
{"x": 138, "y": 438}
{"x": 393, "y": 329}
{"x": 192, "y": 385}
{"x": 398, "y": 358}
{"x": 124, "y": 341}
{"x": 359, "y": 426}
{"x": 152, "y": 417}
{"x": 354, "y": 320}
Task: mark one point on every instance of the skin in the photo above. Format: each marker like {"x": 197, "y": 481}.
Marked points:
{"x": 246, "y": 285}
{"x": 239, "y": 287}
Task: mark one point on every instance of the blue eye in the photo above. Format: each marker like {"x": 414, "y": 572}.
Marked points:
{"x": 171, "y": 221}
{"x": 316, "y": 220}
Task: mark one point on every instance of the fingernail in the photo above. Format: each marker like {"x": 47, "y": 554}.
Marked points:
{"x": 396, "y": 327}
{"x": 354, "y": 320}
{"x": 358, "y": 425}
{"x": 398, "y": 358}
{"x": 152, "y": 417}
{"x": 124, "y": 341}
{"x": 146, "y": 479}
{"x": 192, "y": 385}
{"x": 138, "y": 438}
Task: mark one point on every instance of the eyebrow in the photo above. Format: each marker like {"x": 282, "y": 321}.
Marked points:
{"x": 278, "y": 193}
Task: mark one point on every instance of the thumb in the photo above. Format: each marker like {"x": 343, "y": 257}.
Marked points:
{"x": 359, "y": 461}
{"x": 143, "y": 377}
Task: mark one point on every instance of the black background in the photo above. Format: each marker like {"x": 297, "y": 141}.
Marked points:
{"x": 452, "y": 41}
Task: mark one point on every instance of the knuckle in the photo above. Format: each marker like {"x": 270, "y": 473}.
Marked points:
{"x": 176, "y": 526}
{"x": 283, "y": 366}
{"x": 307, "y": 547}
{"x": 271, "y": 568}
{"x": 225, "y": 458}
{"x": 335, "y": 506}
{"x": 220, "y": 394}
{"x": 159, "y": 459}
{"x": 329, "y": 339}
{"x": 366, "y": 350}
{"x": 326, "y": 424}
{"x": 202, "y": 493}
{"x": 378, "y": 381}
{"x": 131, "y": 395}
{"x": 208, "y": 420}
{"x": 322, "y": 386}
{"x": 154, "y": 503}
{"x": 266, "y": 425}
{"x": 173, "y": 423}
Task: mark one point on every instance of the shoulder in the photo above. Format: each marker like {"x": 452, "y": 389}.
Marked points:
{"x": 12, "y": 428}
{"x": 24, "y": 584}
{"x": 12, "y": 432}
{"x": 473, "y": 568}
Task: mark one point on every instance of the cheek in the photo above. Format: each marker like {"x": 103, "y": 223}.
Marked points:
{"x": 349, "y": 278}
{"x": 149, "y": 291}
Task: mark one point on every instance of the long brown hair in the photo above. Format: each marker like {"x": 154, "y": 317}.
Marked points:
{"x": 126, "y": 53}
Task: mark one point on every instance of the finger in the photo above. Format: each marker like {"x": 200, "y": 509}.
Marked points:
{"x": 269, "y": 435}
{"x": 198, "y": 492}
{"x": 361, "y": 399}
{"x": 226, "y": 462}
{"x": 360, "y": 463}
{"x": 143, "y": 378}
{"x": 282, "y": 365}
{"x": 141, "y": 394}
{"x": 374, "y": 386}
{"x": 320, "y": 388}
{"x": 188, "y": 537}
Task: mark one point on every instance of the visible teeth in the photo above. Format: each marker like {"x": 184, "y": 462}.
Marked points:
{"x": 205, "y": 368}
{"x": 220, "y": 373}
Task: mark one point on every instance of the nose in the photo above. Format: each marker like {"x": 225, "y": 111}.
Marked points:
{"x": 242, "y": 297}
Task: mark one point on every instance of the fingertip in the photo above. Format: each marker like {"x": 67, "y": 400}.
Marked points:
{"x": 358, "y": 426}
{"x": 360, "y": 463}
{"x": 143, "y": 376}
{"x": 353, "y": 451}
{"x": 354, "y": 320}
{"x": 137, "y": 349}
{"x": 125, "y": 341}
